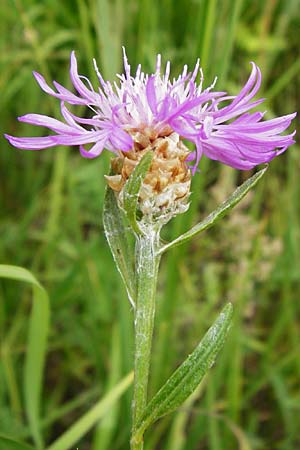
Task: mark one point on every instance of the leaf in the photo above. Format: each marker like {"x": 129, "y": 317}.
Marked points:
{"x": 132, "y": 188}
{"x": 218, "y": 213}
{"x": 176, "y": 435}
{"x": 92, "y": 417}
{"x": 187, "y": 377}
{"x": 9, "y": 444}
{"x": 104, "y": 433}
{"x": 117, "y": 235}
{"x": 36, "y": 347}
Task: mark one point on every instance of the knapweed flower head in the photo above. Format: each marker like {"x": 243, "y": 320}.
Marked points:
{"x": 155, "y": 106}
{"x": 147, "y": 111}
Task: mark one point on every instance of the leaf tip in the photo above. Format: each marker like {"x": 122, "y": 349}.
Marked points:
{"x": 262, "y": 171}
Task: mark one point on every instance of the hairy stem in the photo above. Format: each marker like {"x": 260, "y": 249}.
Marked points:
{"x": 147, "y": 262}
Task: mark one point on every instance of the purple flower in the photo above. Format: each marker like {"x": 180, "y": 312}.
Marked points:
{"x": 220, "y": 126}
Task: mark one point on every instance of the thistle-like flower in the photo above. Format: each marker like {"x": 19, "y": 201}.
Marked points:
{"x": 141, "y": 112}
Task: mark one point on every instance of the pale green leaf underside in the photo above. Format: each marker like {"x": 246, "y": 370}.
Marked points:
{"x": 36, "y": 348}
{"x": 187, "y": 377}
{"x": 132, "y": 188}
{"x": 117, "y": 235}
{"x": 221, "y": 211}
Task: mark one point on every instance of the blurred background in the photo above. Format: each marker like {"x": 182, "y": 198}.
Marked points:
{"x": 51, "y": 206}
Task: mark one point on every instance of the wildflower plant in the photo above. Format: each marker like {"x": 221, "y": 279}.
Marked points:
{"x": 145, "y": 121}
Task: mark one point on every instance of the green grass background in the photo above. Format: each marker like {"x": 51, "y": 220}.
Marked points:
{"x": 51, "y": 204}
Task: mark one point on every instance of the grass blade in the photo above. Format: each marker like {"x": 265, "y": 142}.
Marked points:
{"x": 87, "y": 421}
{"x": 36, "y": 348}
{"x": 105, "y": 430}
{"x": 235, "y": 8}
{"x": 9, "y": 444}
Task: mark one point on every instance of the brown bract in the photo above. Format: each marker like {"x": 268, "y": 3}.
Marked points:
{"x": 166, "y": 187}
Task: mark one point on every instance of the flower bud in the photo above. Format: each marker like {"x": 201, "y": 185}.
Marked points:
{"x": 166, "y": 188}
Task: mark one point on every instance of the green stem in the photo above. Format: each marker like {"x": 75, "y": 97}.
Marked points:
{"x": 147, "y": 262}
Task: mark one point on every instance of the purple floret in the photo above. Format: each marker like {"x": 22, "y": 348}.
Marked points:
{"x": 152, "y": 104}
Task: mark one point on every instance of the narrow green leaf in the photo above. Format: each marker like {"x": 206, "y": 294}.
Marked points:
{"x": 9, "y": 444}
{"x": 104, "y": 432}
{"x": 36, "y": 347}
{"x": 228, "y": 40}
{"x": 187, "y": 377}
{"x": 177, "y": 433}
{"x": 132, "y": 188}
{"x": 108, "y": 22}
{"x": 218, "y": 213}
{"x": 117, "y": 235}
{"x": 88, "y": 420}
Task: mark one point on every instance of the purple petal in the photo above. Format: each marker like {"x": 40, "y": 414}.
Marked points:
{"x": 249, "y": 90}
{"x": 31, "y": 143}
{"x": 251, "y": 87}
{"x": 85, "y": 138}
{"x": 151, "y": 94}
{"x": 154, "y": 102}
{"x": 190, "y": 104}
{"x": 223, "y": 114}
{"x": 121, "y": 140}
{"x": 248, "y": 118}
{"x": 166, "y": 106}
{"x": 95, "y": 151}
{"x": 42, "y": 83}
{"x": 65, "y": 95}
{"x": 274, "y": 126}
{"x": 191, "y": 156}
{"x": 199, "y": 153}
{"x": 126, "y": 65}
{"x": 79, "y": 85}
{"x": 48, "y": 122}
{"x": 227, "y": 154}
{"x": 69, "y": 117}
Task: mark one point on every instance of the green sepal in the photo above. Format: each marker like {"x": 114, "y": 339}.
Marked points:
{"x": 117, "y": 233}
{"x": 187, "y": 377}
{"x": 9, "y": 444}
{"x": 132, "y": 188}
{"x": 218, "y": 213}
